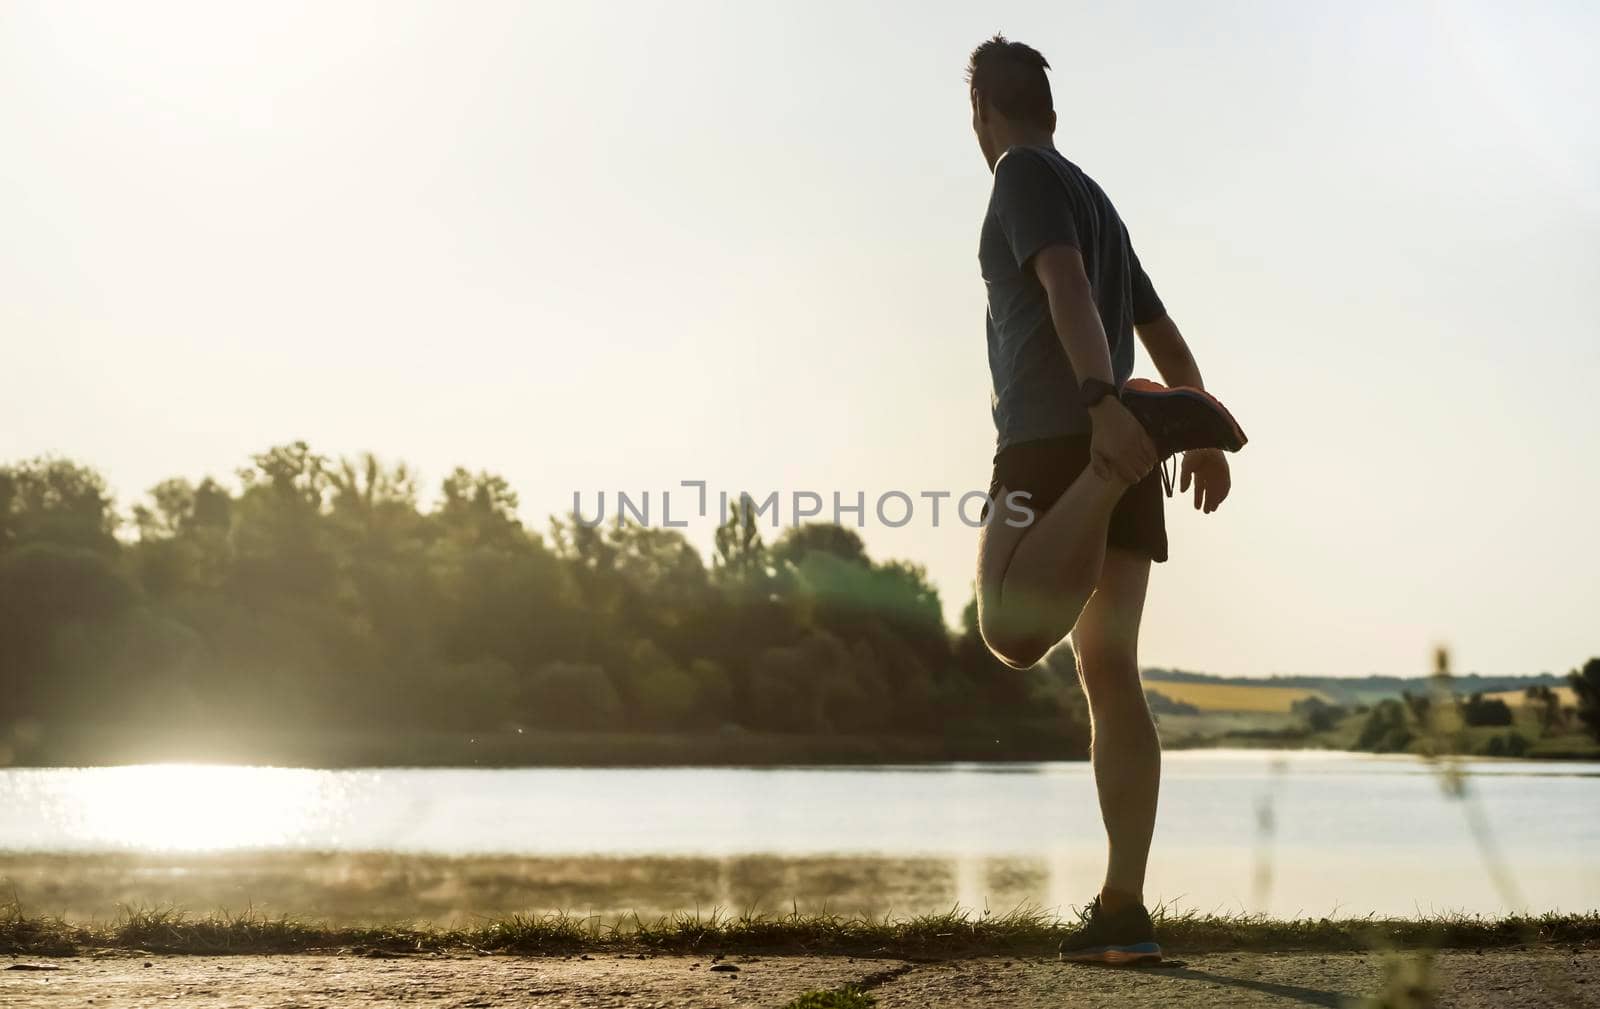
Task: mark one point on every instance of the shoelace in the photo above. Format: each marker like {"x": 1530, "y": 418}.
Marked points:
{"x": 1169, "y": 475}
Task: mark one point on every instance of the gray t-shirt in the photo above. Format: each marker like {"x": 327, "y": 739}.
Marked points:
{"x": 1041, "y": 199}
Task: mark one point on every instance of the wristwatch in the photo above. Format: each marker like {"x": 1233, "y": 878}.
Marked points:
{"x": 1094, "y": 390}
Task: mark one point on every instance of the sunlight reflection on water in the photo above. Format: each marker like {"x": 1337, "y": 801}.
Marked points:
{"x": 175, "y": 807}
{"x": 1357, "y": 832}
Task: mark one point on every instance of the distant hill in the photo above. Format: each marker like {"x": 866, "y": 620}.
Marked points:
{"x": 1359, "y": 689}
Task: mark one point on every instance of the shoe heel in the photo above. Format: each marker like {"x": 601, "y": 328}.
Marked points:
{"x": 1123, "y": 956}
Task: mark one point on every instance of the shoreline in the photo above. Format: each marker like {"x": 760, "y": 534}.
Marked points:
{"x": 353, "y": 750}
{"x": 952, "y": 935}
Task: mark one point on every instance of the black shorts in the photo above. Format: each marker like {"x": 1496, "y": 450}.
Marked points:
{"x": 1045, "y": 468}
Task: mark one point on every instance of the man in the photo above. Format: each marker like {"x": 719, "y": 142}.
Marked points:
{"x": 1078, "y": 500}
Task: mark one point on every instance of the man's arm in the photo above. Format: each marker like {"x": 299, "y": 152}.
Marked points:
{"x": 1119, "y": 445}
{"x": 1169, "y": 352}
{"x": 1207, "y": 470}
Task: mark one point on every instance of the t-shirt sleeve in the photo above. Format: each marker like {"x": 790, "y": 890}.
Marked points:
{"x": 1031, "y": 206}
{"x": 1147, "y": 306}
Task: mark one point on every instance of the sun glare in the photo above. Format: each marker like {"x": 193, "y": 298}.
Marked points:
{"x": 194, "y": 806}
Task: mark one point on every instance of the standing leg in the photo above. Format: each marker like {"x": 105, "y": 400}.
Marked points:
{"x": 1125, "y": 751}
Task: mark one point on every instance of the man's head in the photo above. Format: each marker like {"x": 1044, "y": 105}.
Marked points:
{"x": 1010, "y": 95}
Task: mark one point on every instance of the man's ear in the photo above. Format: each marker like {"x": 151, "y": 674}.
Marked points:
{"x": 1052, "y": 120}
{"x": 978, "y": 108}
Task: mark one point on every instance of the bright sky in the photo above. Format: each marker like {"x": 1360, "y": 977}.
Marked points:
{"x": 619, "y": 246}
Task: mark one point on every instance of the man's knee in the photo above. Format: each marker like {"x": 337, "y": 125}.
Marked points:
{"x": 1106, "y": 664}
{"x": 1019, "y": 651}
{"x": 1011, "y": 641}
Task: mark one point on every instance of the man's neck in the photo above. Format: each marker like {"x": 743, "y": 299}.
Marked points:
{"x": 1028, "y": 138}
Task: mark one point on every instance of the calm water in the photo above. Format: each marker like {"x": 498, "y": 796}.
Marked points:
{"x": 1292, "y": 833}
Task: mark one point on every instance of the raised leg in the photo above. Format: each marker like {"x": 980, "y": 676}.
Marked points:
{"x": 1034, "y": 581}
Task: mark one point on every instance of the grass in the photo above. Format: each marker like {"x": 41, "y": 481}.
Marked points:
{"x": 1211, "y": 697}
{"x": 844, "y": 998}
{"x": 954, "y": 934}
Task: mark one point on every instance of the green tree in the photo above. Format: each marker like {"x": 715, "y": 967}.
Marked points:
{"x": 1480, "y": 710}
{"x": 56, "y": 501}
{"x": 51, "y": 594}
{"x": 1586, "y": 684}
{"x": 1547, "y": 704}
{"x": 479, "y": 509}
{"x": 568, "y": 695}
{"x": 1387, "y": 729}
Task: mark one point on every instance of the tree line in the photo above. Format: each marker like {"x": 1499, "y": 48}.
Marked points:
{"x": 318, "y": 593}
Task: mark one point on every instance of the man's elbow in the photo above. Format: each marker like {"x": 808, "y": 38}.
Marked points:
{"x": 1159, "y": 333}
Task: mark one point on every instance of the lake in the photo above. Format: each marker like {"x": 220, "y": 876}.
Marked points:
{"x": 1292, "y": 833}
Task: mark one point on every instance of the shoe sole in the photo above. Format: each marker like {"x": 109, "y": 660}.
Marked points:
{"x": 1120, "y": 956}
{"x": 1145, "y": 387}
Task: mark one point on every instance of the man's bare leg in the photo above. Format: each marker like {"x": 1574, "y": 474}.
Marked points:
{"x": 1034, "y": 581}
{"x": 1125, "y": 751}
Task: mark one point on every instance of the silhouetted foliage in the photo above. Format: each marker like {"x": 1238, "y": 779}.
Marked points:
{"x": 1547, "y": 703}
{"x": 1320, "y": 716}
{"x": 320, "y": 595}
{"x": 1161, "y": 704}
{"x": 1480, "y": 710}
{"x": 1387, "y": 729}
{"x": 1586, "y": 684}
{"x": 1417, "y": 704}
{"x": 1509, "y": 744}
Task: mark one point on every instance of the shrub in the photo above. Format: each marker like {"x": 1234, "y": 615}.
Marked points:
{"x": 571, "y": 695}
{"x": 1481, "y": 710}
{"x": 1386, "y": 729}
{"x": 1161, "y": 704}
{"x": 1320, "y": 716}
{"x": 1586, "y": 684}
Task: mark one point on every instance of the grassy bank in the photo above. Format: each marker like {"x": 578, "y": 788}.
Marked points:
{"x": 947, "y": 935}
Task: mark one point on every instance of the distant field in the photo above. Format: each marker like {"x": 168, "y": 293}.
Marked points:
{"x": 1233, "y": 697}
{"x": 1516, "y": 697}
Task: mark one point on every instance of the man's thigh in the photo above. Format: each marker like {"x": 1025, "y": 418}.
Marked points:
{"x": 1106, "y": 639}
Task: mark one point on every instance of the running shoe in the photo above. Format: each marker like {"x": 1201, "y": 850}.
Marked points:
{"x": 1181, "y": 418}
{"x": 1124, "y": 938}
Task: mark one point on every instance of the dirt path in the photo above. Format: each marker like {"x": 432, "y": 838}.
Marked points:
{"x": 1498, "y": 979}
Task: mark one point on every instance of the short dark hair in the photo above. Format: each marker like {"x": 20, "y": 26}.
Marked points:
{"x": 1010, "y": 76}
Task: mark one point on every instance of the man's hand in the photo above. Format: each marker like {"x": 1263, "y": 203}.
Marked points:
{"x": 1207, "y": 469}
{"x": 1119, "y": 448}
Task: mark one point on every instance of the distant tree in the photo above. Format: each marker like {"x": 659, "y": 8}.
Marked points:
{"x": 740, "y": 556}
{"x": 184, "y": 537}
{"x": 1387, "y": 729}
{"x": 321, "y": 594}
{"x": 1161, "y": 704}
{"x": 1586, "y": 684}
{"x": 1547, "y": 704}
{"x": 837, "y": 541}
{"x": 571, "y": 696}
{"x": 1509, "y": 744}
{"x": 1320, "y": 716}
{"x": 479, "y": 509}
{"x": 56, "y": 501}
{"x": 1417, "y": 704}
{"x": 1480, "y": 710}
{"x": 53, "y": 595}
{"x": 786, "y": 684}
{"x": 292, "y": 471}
{"x": 656, "y": 692}
{"x": 375, "y": 499}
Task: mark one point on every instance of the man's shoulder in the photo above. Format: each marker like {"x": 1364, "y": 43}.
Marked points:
{"x": 1032, "y": 169}
{"x": 1029, "y": 156}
